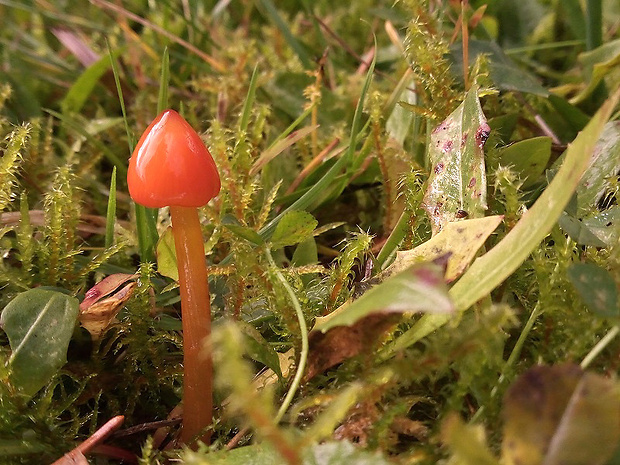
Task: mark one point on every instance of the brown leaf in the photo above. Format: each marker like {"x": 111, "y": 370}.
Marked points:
{"x": 343, "y": 342}
{"x": 561, "y": 415}
{"x": 97, "y": 317}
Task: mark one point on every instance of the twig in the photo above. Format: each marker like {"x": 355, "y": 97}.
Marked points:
{"x": 146, "y": 427}
{"x": 236, "y": 438}
{"x": 98, "y": 437}
{"x": 316, "y": 161}
{"x": 539, "y": 120}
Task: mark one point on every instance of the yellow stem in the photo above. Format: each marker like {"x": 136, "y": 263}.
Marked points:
{"x": 196, "y": 314}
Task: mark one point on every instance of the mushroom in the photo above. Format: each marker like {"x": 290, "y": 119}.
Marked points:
{"x": 171, "y": 166}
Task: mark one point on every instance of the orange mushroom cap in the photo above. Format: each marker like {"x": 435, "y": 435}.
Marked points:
{"x": 171, "y": 166}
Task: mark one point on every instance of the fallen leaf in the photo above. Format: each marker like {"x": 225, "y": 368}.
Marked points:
{"x": 459, "y": 241}
{"x": 343, "y": 342}
{"x": 561, "y": 415}
{"x": 104, "y": 287}
{"x": 97, "y": 317}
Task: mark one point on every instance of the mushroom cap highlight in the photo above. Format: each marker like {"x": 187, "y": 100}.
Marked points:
{"x": 171, "y": 166}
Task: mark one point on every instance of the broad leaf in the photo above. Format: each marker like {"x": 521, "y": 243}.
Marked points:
{"x": 604, "y": 163}
{"x": 39, "y": 324}
{"x": 167, "y": 256}
{"x": 293, "y": 228}
{"x": 503, "y": 71}
{"x": 509, "y": 254}
{"x": 457, "y": 184}
{"x": 596, "y": 287}
{"x": 598, "y": 64}
{"x": 258, "y": 348}
{"x": 560, "y": 415}
{"x": 528, "y": 158}
{"x": 419, "y": 288}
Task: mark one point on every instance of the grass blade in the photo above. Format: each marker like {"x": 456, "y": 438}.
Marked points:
{"x": 249, "y": 102}
{"x": 146, "y": 218}
{"x": 111, "y": 212}
{"x": 164, "y": 82}
{"x": 318, "y": 189}
{"x": 273, "y": 15}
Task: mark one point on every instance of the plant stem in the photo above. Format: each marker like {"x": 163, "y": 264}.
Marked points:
{"x": 598, "y": 348}
{"x": 196, "y": 314}
{"x": 303, "y": 357}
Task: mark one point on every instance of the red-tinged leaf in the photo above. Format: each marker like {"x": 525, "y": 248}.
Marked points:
{"x": 103, "y": 288}
{"x": 97, "y": 317}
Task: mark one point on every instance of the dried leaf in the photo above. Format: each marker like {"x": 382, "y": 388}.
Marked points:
{"x": 97, "y": 317}
{"x": 561, "y": 415}
{"x": 459, "y": 241}
{"x": 103, "y": 288}
{"x": 457, "y": 184}
{"x": 343, "y": 342}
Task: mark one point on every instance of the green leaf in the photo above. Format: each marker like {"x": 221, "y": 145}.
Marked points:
{"x": 83, "y": 86}
{"x": 167, "y": 256}
{"x": 39, "y": 324}
{"x": 293, "y": 228}
{"x": 509, "y": 254}
{"x": 244, "y": 232}
{"x": 605, "y": 162}
{"x": 599, "y": 63}
{"x": 457, "y": 184}
{"x": 561, "y": 415}
{"x": 419, "y": 288}
{"x": 305, "y": 253}
{"x": 164, "y": 82}
{"x": 596, "y": 287}
{"x": 528, "y": 158}
{"x": 503, "y": 71}
{"x": 111, "y": 212}
{"x": 259, "y": 349}
{"x": 579, "y": 232}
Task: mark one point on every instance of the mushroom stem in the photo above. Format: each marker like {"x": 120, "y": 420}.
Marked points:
{"x": 196, "y": 316}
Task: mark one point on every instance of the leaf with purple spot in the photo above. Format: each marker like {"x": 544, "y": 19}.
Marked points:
{"x": 457, "y": 183}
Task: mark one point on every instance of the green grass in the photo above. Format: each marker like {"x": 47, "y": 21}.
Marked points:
{"x": 323, "y": 119}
